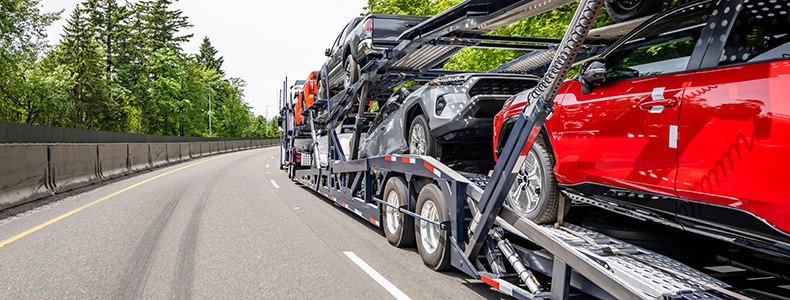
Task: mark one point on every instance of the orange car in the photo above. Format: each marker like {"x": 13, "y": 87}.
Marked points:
{"x": 298, "y": 107}
{"x": 306, "y": 97}
{"x": 310, "y": 90}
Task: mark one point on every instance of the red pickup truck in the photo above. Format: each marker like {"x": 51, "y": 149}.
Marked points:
{"x": 306, "y": 96}
{"x": 684, "y": 121}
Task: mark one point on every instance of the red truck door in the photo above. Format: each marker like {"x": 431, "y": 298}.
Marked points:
{"x": 734, "y": 136}
{"x": 622, "y": 134}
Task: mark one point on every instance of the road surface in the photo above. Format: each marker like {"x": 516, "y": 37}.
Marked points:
{"x": 230, "y": 226}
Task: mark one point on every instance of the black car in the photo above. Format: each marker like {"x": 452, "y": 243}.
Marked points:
{"x": 362, "y": 39}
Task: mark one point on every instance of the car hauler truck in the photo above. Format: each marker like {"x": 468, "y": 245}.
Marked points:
{"x": 458, "y": 219}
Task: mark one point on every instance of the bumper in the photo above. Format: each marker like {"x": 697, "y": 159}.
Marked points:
{"x": 466, "y": 141}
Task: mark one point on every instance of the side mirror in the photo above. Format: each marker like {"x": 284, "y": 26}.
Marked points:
{"x": 592, "y": 73}
{"x": 327, "y": 52}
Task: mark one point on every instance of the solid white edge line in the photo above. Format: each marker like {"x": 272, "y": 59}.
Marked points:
{"x": 386, "y": 284}
{"x": 274, "y": 183}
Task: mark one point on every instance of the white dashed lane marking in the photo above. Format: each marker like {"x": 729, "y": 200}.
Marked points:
{"x": 386, "y": 284}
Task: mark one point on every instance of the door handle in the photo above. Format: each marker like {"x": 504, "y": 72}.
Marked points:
{"x": 668, "y": 102}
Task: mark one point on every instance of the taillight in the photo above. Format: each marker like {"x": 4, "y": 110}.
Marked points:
{"x": 368, "y": 25}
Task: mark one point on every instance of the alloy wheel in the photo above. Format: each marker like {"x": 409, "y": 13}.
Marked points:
{"x": 525, "y": 192}
{"x": 429, "y": 233}
{"x": 417, "y": 141}
{"x": 393, "y": 215}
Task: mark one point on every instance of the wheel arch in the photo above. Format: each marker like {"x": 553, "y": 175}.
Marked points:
{"x": 544, "y": 134}
{"x": 413, "y": 111}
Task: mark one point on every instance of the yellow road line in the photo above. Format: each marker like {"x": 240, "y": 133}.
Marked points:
{"x": 66, "y": 215}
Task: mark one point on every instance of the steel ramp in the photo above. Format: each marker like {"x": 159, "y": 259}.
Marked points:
{"x": 622, "y": 270}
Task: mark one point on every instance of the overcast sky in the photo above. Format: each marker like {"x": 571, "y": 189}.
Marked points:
{"x": 262, "y": 41}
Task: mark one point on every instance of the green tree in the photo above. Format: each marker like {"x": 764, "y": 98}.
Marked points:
{"x": 22, "y": 40}
{"x": 161, "y": 25}
{"x": 109, "y": 22}
{"x": 408, "y": 7}
{"x": 551, "y": 24}
{"x": 81, "y": 54}
{"x": 208, "y": 57}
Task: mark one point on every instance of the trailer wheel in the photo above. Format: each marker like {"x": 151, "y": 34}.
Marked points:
{"x": 352, "y": 71}
{"x": 432, "y": 242}
{"x": 420, "y": 140}
{"x": 624, "y": 10}
{"x": 534, "y": 194}
{"x": 291, "y": 171}
{"x": 398, "y": 227}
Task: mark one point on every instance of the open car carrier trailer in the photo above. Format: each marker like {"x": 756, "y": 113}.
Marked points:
{"x": 461, "y": 219}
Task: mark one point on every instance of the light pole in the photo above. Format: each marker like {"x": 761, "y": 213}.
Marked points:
{"x": 209, "y": 109}
{"x": 267, "y": 112}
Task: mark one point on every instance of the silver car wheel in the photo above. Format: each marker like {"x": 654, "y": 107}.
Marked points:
{"x": 429, "y": 233}
{"x": 524, "y": 194}
{"x": 417, "y": 141}
{"x": 393, "y": 215}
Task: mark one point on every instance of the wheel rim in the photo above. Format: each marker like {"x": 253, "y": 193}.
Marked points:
{"x": 526, "y": 190}
{"x": 627, "y": 4}
{"x": 429, "y": 233}
{"x": 417, "y": 142}
{"x": 393, "y": 215}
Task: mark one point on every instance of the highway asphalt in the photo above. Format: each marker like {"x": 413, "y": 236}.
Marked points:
{"x": 230, "y": 226}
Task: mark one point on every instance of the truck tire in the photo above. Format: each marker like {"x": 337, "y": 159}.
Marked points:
{"x": 534, "y": 194}
{"x": 433, "y": 243}
{"x": 625, "y": 10}
{"x": 398, "y": 227}
{"x": 322, "y": 92}
{"x": 420, "y": 140}
{"x": 351, "y": 69}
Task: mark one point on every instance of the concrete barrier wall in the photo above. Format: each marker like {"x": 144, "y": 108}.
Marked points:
{"x": 138, "y": 157}
{"x": 173, "y": 154}
{"x": 113, "y": 160}
{"x": 183, "y": 149}
{"x": 158, "y": 154}
{"x": 31, "y": 172}
{"x": 25, "y": 174}
{"x": 194, "y": 149}
{"x": 205, "y": 149}
{"x": 73, "y": 166}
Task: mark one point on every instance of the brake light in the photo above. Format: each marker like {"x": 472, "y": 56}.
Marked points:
{"x": 368, "y": 25}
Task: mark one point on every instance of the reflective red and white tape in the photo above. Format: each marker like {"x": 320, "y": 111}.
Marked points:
{"x": 506, "y": 287}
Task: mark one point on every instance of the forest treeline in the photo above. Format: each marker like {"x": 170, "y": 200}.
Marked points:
{"x": 117, "y": 67}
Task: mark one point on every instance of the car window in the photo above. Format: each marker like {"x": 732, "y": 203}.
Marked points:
{"x": 389, "y": 109}
{"x": 340, "y": 38}
{"x": 662, "y": 48}
{"x": 337, "y": 42}
{"x": 761, "y": 32}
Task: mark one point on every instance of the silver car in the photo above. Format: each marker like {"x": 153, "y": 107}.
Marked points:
{"x": 450, "y": 118}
